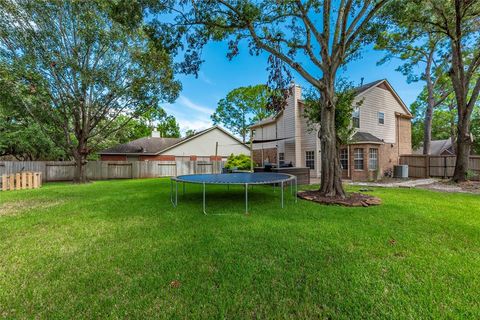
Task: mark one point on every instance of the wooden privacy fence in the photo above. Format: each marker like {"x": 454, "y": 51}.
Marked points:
{"x": 425, "y": 166}
{"x": 103, "y": 170}
{"x": 22, "y": 180}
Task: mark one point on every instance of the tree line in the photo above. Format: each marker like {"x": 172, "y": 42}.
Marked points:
{"x": 89, "y": 68}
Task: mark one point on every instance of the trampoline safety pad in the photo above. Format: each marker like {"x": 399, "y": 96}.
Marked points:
{"x": 244, "y": 179}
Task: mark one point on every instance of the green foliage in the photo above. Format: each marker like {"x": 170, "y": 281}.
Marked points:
{"x": 242, "y": 107}
{"x": 74, "y": 68}
{"x": 22, "y": 138}
{"x": 189, "y": 132}
{"x": 169, "y": 127}
{"x": 344, "y": 106}
{"x": 240, "y": 162}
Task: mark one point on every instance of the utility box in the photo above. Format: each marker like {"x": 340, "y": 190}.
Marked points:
{"x": 400, "y": 171}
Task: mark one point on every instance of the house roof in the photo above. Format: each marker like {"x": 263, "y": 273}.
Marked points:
{"x": 367, "y": 86}
{"x": 360, "y": 89}
{"x": 437, "y": 147}
{"x": 153, "y": 146}
{"x": 146, "y": 145}
{"x": 365, "y": 137}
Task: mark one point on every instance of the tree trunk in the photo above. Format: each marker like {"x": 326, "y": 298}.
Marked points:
{"x": 427, "y": 134}
{"x": 80, "y": 156}
{"x": 331, "y": 175}
{"x": 463, "y": 150}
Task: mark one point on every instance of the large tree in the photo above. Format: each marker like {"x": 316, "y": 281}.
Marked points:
{"x": 76, "y": 66}
{"x": 418, "y": 48}
{"x": 313, "y": 38}
{"x": 459, "y": 22}
{"x": 242, "y": 107}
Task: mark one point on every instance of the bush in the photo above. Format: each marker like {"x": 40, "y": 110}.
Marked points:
{"x": 240, "y": 162}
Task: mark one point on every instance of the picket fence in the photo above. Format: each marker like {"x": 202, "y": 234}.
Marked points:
{"x": 104, "y": 170}
{"x": 424, "y": 166}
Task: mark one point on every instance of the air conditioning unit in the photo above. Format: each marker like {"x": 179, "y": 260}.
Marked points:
{"x": 400, "y": 171}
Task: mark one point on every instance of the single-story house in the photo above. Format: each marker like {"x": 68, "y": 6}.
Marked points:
{"x": 214, "y": 144}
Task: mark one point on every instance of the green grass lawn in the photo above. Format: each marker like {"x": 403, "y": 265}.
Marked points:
{"x": 112, "y": 249}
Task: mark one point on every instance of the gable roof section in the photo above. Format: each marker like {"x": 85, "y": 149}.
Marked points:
{"x": 437, "y": 147}
{"x": 268, "y": 120}
{"x": 202, "y": 133}
{"x": 146, "y": 145}
{"x": 367, "y": 87}
{"x": 365, "y": 137}
{"x": 359, "y": 90}
{"x": 155, "y": 146}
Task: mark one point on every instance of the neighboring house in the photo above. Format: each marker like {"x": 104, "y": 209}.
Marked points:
{"x": 383, "y": 133}
{"x": 208, "y": 143}
{"x": 439, "y": 148}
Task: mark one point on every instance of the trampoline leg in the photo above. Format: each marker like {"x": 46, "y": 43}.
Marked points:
{"x": 176, "y": 193}
{"x": 246, "y": 198}
{"x": 282, "y": 192}
{"x": 296, "y": 189}
{"x": 171, "y": 193}
{"x": 204, "y": 212}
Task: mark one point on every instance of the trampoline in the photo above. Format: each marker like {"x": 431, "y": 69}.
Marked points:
{"x": 245, "y": 179}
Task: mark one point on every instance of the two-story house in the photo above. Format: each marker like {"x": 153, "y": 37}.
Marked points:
{"x": 382, "y": 133}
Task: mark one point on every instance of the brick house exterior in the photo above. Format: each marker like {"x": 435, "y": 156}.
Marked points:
{"x": 382, "y": 133}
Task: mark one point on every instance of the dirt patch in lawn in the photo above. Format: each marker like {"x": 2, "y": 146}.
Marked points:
{"x": 452, "y": 187}
{"x": 17, "y": 207}
{"x": 352, "y": 200}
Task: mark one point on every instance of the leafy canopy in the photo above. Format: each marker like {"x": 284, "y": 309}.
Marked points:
{"x": 242, "y": 107}
{"x": 73, "y": 67}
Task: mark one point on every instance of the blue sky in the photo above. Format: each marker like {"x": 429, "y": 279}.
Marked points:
{"x": 218, "y": 76}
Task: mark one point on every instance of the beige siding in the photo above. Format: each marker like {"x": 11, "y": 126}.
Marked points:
{"x": 377, "y": 100}
{"x": 309, "y": 141}
{"x": 204, "y": 145}
{"x": 266, "y": 132}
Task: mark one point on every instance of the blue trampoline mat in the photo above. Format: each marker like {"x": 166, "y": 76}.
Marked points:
{"x": 235, "y": 178}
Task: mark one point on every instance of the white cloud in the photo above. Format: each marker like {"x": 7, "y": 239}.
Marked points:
{"x": 182, "y": 100}
{"x": 190, "y": 115}
{"x": 202, "y": 76}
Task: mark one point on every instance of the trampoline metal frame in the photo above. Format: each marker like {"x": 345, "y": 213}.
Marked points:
{"x": 282, "y": 182}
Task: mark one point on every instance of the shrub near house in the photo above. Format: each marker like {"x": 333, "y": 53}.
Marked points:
{"x": 240, "y": 162}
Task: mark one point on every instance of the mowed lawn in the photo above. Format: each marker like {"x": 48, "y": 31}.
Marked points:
{"x": 118, "y": 249}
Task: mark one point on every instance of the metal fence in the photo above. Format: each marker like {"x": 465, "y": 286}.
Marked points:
{"x": 424, "y": 166}
{"x": 103, "y": 170}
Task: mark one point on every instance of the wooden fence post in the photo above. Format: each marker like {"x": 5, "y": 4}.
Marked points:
{"x": 427, "y": 166}
{"x": 4, "y": 182}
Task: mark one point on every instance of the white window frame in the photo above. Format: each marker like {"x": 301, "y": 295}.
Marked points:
{"x": 373, "y": 159}
{"x": 382, "y": 118}
{"x": 281, "y": 157}
{"x": 356, "y": 115}
{"x": 310, "y": 157}
{"x": 357, "y": 152}
{"x": 344, "y": 157}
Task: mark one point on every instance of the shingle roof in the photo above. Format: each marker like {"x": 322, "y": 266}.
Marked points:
{"x": 437, "y": 147}
{"x": 366, "y": 86}
{"x": 365, "y": 137}
{"x": 142, "y": 145}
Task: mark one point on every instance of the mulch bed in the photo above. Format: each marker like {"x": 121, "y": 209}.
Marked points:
{"x": 352, "y": 200}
